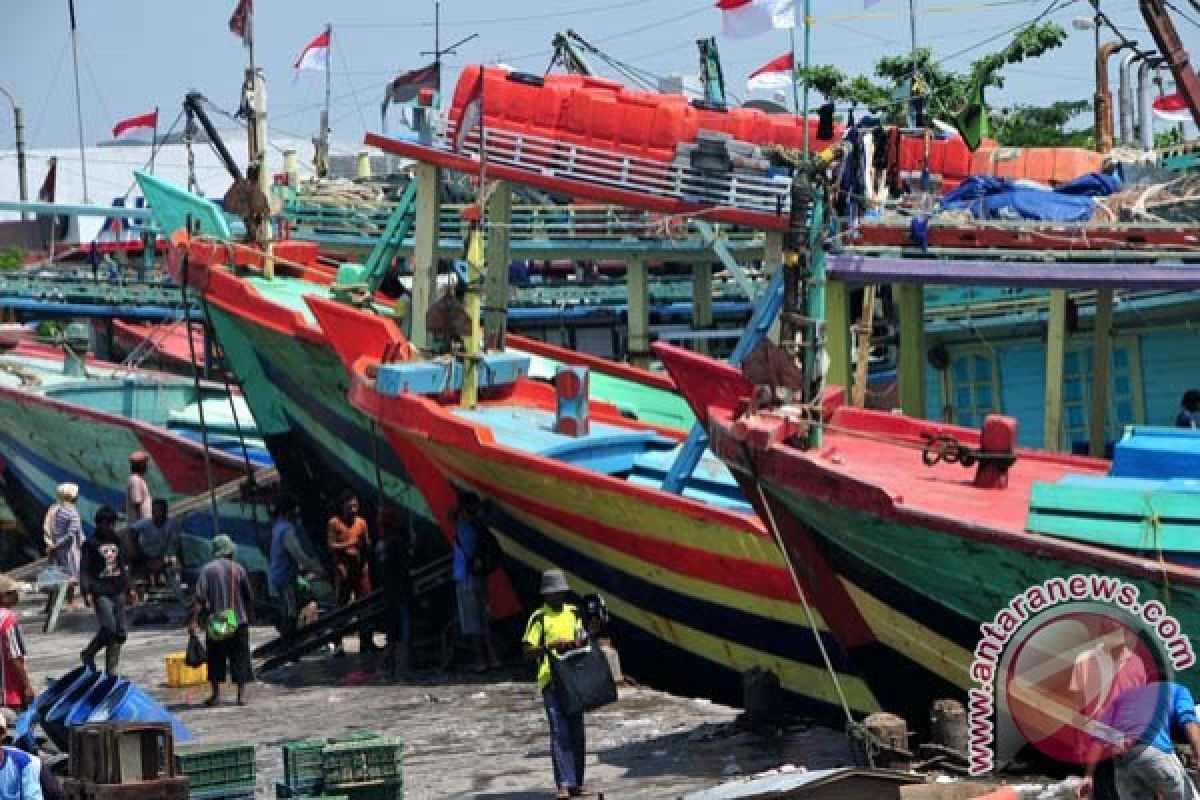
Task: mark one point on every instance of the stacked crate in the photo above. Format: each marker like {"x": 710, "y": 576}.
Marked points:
{"x": 359, "y": 766}
{"x": 123, "y": 761}
{"x": 369, "y": 769}
{"x": 222, "y": 771}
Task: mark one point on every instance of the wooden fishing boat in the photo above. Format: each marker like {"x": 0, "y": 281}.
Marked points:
{"x": 924, "y": 555}
{"x": 163, "y": 346}
{"x": 69, "y": 418}
{"x": 699, "y": 590}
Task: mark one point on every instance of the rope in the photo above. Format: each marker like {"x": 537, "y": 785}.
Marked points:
{"x": 808, "y": 612}
{"x": 208, "y": 473}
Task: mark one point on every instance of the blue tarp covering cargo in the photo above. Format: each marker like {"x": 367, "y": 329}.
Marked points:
{"x": 987, "y": 197}
{"x": 84, "y": 696}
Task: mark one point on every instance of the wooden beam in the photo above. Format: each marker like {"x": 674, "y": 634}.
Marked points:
{"x": 1056, "y": 351}
{"x": 499, "y": 255}
{"x": 702, "y": 301}
{"x": 639, "y": 312}
{"x": 1101, "y": 373}
{"x": 910, "y": 366}
{"x": 425, "y": 251}
{"x": 837, "y": 333}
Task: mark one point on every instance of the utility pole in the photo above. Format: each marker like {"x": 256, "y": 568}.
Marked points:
{"x": 437, "y": 51}
{"x": 78, "y": 101}
{"x": 19, "y": 124}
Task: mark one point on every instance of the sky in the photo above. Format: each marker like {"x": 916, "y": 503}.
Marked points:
{"x": 139, "y": 54}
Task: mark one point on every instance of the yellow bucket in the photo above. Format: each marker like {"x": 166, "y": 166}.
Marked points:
{"x": 180, "y": 674}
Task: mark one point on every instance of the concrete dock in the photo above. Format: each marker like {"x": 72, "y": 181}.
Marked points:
{"x": 466, "y": 736}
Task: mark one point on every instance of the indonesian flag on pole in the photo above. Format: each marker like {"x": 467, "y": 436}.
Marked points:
{"x": 316, "y": 54}
{"x": 1172, "y": 107}
{"x": 775, "y": 74}
{"x": 140, "y": 127}
{"x": 744, "y": 18}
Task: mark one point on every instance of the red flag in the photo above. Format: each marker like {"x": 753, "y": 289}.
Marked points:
{"x": 1173, "y": 107}
{"x": 239, "y": 23}
{"x": 775, "y": 74}
{"x": 316, "y": 54}
{"x": 46, "y": 193}
{"x": 136, "y": 127}
{"x": 744, "y": 18}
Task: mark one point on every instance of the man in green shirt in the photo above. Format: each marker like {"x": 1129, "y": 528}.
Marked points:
{"x": 557, "y": 628}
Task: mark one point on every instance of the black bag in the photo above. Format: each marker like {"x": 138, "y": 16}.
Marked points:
{"x": 196, "y": 656}
{"x": 582, "y": 680}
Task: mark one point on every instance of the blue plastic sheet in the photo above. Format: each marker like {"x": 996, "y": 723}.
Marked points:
{"x": 85, "y": 696}
{"x": 987, "y": 197}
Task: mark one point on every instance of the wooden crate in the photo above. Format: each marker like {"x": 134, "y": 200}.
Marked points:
{"x": 163, "y": 789}
{"x": 121, "y": 752}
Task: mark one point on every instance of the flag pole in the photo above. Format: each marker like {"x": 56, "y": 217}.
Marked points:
{"x": 78, "y": 102}
{"x": 795, "y": 84}
{"x": 154, "y": 141}
{"x": 807, "y": 59}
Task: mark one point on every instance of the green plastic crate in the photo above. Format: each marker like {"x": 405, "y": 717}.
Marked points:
{"x": 362, "y": 761}
{"x": 353, "y": 736}
{"x": 244, "y": 791}
{"x": 302, "y": 764}
{"x": 373, "y": 790}
{"x": 212, "y": 766}
{"x": 284, "y": 792}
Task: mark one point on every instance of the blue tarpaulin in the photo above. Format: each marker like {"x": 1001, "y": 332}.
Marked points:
{"x": 1001, "y": 198}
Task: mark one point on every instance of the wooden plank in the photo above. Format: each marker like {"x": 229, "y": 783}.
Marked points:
{"x": 910, "y": 365}
{"x": 499, "y": 254}
{"x": 1056, "y": 350}
{"x": 425, "y": 251}
{"x": 1088, "y": 499}
{"x": 639, "y": 313}
{"x": 837, "y": 333}
{"x": 1125, "y": 534}
{"x": 1101, "y": 372}
{"x": 702, "y": 301}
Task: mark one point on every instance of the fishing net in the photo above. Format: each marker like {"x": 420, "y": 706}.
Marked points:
{"x": 1176, "y": 201}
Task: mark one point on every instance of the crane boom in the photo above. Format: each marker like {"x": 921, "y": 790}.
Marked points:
{"x": 1169, "y": 44}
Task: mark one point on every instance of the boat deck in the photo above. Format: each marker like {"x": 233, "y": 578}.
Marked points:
{"x": 891, "y": 461}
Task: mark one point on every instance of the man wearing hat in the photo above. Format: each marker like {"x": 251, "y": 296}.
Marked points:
{"x": 223, "y": 596}
{"x": 104, "y": 579}
{"x": 15, "y": 687}
{"x": 557, "y": 627}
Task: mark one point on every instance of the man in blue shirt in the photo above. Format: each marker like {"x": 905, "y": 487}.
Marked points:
{"x": 470, "y": 585}
{"x": 20, "y": 773}
{"x": 1147, "y": 766}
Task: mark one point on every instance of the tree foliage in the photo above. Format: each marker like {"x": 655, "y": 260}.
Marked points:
{"x": 1045, "y": 126}
{"x": 949, "y": 91}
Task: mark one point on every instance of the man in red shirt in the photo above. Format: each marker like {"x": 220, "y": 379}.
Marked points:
{"x": 14, "y": 680}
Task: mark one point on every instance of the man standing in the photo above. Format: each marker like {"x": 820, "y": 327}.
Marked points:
{"x": 470, "y": 586}
{"x": 138, "y": 503}
{"x": 223, "y": 595}
{"x": 287, "y": 559}
{"x": 20, "y": 772}
{"x": 1147, "y": 765}
{"x": 347, "y": 537}
{"x": 105, "y": 583}
{"x": 14, "y": 679}
{"x": 157, "y": 542}
{"x": 557, "y": 628}
{"x": 394, "y": 556}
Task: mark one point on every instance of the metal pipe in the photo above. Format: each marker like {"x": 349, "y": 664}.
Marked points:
{"x": 1145, "y": 109}
{"x": 78, "y": 101}
{"x": 1104, "y": 101}
{"x": 19, "y": 124}
{"x": 1125, "y": 99}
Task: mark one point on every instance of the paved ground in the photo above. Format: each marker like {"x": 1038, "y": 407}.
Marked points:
{"x": 465, "y": 736}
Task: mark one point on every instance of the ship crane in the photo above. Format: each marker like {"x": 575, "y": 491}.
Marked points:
{"x": 1171, "y": 47}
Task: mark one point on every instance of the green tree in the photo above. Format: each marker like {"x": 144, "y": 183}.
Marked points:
{"x": 949, "y": 92}
{"x": 1045, "y": 126}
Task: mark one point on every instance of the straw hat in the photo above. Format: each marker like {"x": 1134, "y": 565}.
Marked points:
{"x": 554, "y": 581}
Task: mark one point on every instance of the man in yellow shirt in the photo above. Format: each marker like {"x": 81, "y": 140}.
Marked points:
{"x": 557, "y": 627}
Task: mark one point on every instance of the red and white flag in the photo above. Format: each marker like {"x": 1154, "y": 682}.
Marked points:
{"x": 240, "y": 23}
{"x": 316, "y": 54}
{"x": 744, "y": 18}
{"x": 139, "y": 127}
{"x": 1173, "y": 107}
{"x": 775, "y": 74}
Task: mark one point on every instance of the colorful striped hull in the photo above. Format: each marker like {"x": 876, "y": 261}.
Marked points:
{"x": 46, "y": 442}
{"x": 698, "y": 601}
